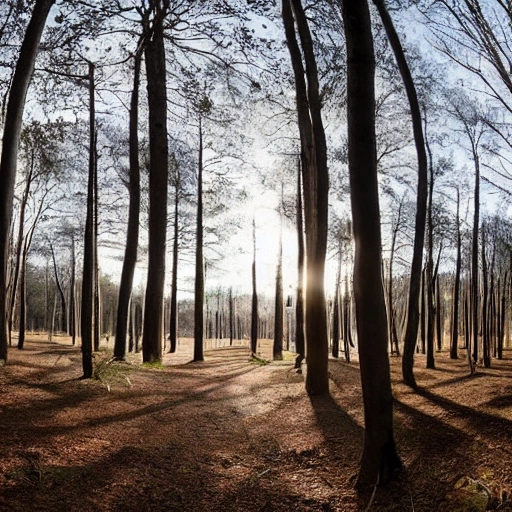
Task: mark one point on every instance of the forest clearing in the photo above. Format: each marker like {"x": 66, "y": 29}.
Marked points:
{"x": 230, "y": 434}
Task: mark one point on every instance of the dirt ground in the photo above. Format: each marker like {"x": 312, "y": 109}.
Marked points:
{"x": 232, "y": 435}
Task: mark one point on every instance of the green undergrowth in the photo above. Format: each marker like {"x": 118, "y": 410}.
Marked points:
{"x": 154, "y": 365}
{"x": 108, "y": 371}
{"x": 258, "y": 360}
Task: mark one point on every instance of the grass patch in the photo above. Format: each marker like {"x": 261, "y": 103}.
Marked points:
{"x": 108, "y": 371}
{"x": 258, "y": 360}
{"x": 154, "y": 365}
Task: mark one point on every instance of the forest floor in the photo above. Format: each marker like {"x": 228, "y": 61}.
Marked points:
{"x": 232, "y": 435}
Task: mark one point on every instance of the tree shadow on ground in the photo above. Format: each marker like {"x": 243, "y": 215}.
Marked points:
{"x": 455, "y": 380}
{"x": 479, "y": 420}
{"x": 175, "y": 450}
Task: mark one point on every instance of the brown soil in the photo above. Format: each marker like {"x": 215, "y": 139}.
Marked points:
{"x": 232, "y": 435}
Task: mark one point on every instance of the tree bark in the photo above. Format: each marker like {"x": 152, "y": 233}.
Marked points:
{"x": 501, "y": 335}
{"x": 199, "y": 282}
{"x": 423, "y": 314}
{"x": 336, "y": 312}
{"x": 485, "y": 300}
{"x": 72, "y": 301}
{"x": 430, "y": 262}
{"x": 278, "y": 313}
{"x": 300, "y": 345}
{"x": 10, "y": 142}
{"x": 173, "y": 320}
{"x": 132, "y": 230}
{"x": 379, "y": 461}
{"x": 474, "y": 263}
{"x": 63, "y": 323}
{"x": 96, "y": 323}
{"x": 411, "y": 330}
{"x": 277, "y": 351}
{"x": 439, "y": 314}
{"x": 315, "y": 190}
{"x": 254, "y": 302}
{"x": 456, "y": 287}
{"x": 87, "y": 313}
{"x": 23, "y": 296}
{"x": 158, "y": 171}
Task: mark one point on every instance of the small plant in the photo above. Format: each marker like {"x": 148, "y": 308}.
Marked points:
{"x": 101, "y": 362}
{"x": 108, "y": 371}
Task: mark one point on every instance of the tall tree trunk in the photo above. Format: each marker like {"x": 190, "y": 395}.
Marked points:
{"x": 63, "y": 323}
{"x": 300, "y": 345}
{"x": 492, "y": 305}
{"x": 456, "y": 287}
{"x": 411, "y": 330}
{"x": 72, "y": 291}
{"x": 231, "y": 316}
{"x": 277, "y": 351}
{"x": 47, "y": 296}
{"x": 132, "y": 230}
{"x": 131, "y": 327}
{"x": 23, "y": 295}
{"x": 19, "y": 246}
{"x": 254, "y": 302}
{"x": 10, "y": 142}
{"x": 393, "y": 339}
{"x": 474, "y": 264}
{"x": 173, "y": 320}
{"x": 96, "y": 270}
{"x": 379, "y": 460}
{"x": 501, "y": 335}
{"x": 347, "y": 322}
{"x": 485, "y": 300}
{"x": 336, "y": 312}
{"x": 315, "y": 189}
{"x": 158, "y": 170}
{"x": 199, "y": 283}
{"x": 439, "y": 314}
{"x": 87, "y": 313}
{"x": 430, "y": 262}
{"x": 423, "y": 315}
{"x": 278, "y": 311}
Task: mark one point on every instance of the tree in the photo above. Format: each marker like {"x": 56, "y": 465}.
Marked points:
{"x": 315, "y": 190}
{"x": 10, "y": 141}
{"x": 379, "y": 461}
{"x": 411, "y": 331}
{"x": 456, "y": 285}
{"x": 336, "y": 312}
{"x": 158, "y": 177}
{"x": 27, "y": 242}
{"x": 63, "y": 326}
{"x": 39, "y": 161}
{"x": 173, "y": 318}
{"x": 277, "y": 349}
{"x": 199, "y": 276}
{"x": 429, "y": 271}
{"x": 398, "y": 221}
{"x": 474, "y": 129}
{"x": 299, "y": 305}
{"x": 87, "y": 313}
{"x": 132, "y": 230}
{"x": 482, "y": 30}
{"x": 254, "y": 301}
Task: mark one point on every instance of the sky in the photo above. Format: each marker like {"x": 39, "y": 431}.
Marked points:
{"x": 234, "y": 268}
